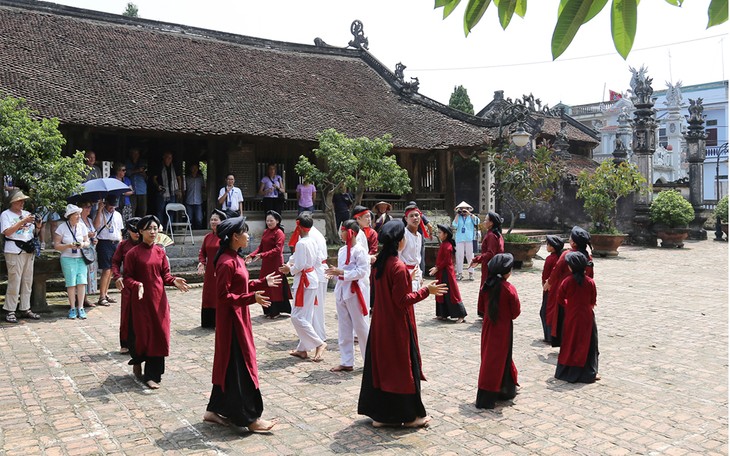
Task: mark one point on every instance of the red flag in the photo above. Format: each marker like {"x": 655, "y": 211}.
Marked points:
{"x": 614, "y": 96}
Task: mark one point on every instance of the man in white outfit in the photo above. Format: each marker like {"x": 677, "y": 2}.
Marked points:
{"x": 411, "y": 254}
{"x": 302, "y": 265}
{"x": 351, "y": 291}
{"x": 318, "y": 320}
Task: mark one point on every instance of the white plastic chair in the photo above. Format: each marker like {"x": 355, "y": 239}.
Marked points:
{"x": 175, "y": 208}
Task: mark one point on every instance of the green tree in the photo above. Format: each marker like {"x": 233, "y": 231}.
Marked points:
{"x": 460, "y": 100}
{"x": 519, "y": 184}
{"x": 30, "y": 152}
{"x": 572, "y": 14}
{"x": 601, "y": 190}
{"x": 131, "y": 11}
{"x": 355, "y": 163}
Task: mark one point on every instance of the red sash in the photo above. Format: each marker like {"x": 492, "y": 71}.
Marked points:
{"x": 303, "y": 283}
{"x": 355, "y": 288}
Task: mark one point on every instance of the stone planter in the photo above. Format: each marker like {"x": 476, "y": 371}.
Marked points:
{"x": 673, "y": 237}
{"x": 606, "y": 245}
{"x": 523, "y": 252}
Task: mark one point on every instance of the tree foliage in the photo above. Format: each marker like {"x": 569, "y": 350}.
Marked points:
{"x": 669, "y": 208}
{"x": 30, "y": 152}
{"x": 572, "y": 14}
{"x": 721, "y": 210}
{"x": 601, "y": 190}
{"x": 460, "y": 100}
{"x": 519, "y": 184}
{"x": 131, "y": 11}
{"x": 355, "y": 163}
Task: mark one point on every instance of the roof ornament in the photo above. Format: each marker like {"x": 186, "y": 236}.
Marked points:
{"x": 359, "y": 40}
{"x": 641, "y": 89}
{"x": 406, "y": 87}
{"x": 696, "y": 119}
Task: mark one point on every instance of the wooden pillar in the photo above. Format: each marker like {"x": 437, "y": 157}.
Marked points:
{"x": 448, "y": 186}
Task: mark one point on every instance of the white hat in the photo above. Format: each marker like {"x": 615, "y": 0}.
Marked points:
{"x": 71, "y": 209}
{"x": 464, "y": 205}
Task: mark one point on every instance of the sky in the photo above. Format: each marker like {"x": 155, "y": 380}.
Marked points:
{"x": 673, "y": 43}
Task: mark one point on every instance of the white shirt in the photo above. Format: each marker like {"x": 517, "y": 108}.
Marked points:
{"x": 321, "y": 243}
{"x": 232, "y": 200}
{"x": 362, "y": 240}
{"x": 358, "y": 270}
{"x": 305, "y": 256}
{"x": 81, "y": 233}
{"x": 111, "y": 226}
{"x": 411, "y": 254}
{"x": 9, "y": 218}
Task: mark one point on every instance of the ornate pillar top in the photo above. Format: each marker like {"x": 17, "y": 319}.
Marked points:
{"x": 696, "y": 120}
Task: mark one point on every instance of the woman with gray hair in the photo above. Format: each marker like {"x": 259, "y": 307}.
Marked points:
{"x": 69, "y": 239}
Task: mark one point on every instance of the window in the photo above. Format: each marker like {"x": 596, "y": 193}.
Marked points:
{"x": 711, "y": 137}
{"x": 430, "y": 175}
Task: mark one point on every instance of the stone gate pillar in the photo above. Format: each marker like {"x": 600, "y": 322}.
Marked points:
{"x": 644, "y": 146}
{"x": 696, "y": 151}
{"x": 486, "y": 192}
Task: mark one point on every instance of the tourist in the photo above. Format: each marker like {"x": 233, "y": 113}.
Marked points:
{"x": 351, "y": 291}
{"x": 19, "y": 227}
{"x": 271, "y": 253}
{"x": 465, "y": 223}
{"x": 492, "y": 244}
{"x": 302, "y": 265}
{"x": 580, "y": 239}
{"x": 92, "y": 283}
{"x": 236, "y": 398}
{"x": 381, "y": 215}
{"x": 146, "y": 273}
{"x": 390, "y": 393}
{"x": 230, "y": 197}
{"x": 273, "y": 191}
{"x": 169, "y": 187}
{"x": 306, "y": 196}
{"x": 109, "y": 226}
{"x": 578, "y": 358}
{"x": 449, "y": 305}
{"x": 342, "y": 202}
{"x": 137, "y": 171}
{"x": 497, "y": 372}
{"x": 194, "y": 191}
{"x": 93, "y": 170}
{"x": 125, "y": 201}
{"x": 554, "y": 247}
{"x": 69, "y": 239}
{"x": 133, "y": 238}
{"x": 211, "y": 243}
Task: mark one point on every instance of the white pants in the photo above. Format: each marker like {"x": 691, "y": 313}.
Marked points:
{"x": 20, "y": 280}
{"x": 350, "y": 319}
{"x": 462, "y": 249}
{"x": 318, "y": 319}
{"x": 301, "y": 319}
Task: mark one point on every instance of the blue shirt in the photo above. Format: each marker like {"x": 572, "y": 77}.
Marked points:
{"x": 138, "y": 181}
{"x": 465, "y": 227}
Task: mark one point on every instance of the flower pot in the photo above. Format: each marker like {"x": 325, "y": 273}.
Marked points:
{"x": 523, "y": 252}
{"x": 723, "y": 226}
{"x": 606, "y": 245}
{"x": 673, "y": 237}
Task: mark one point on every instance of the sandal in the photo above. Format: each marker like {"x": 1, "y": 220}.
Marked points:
{"x": 11, "y": 318}
{"x": 30, "y": 314}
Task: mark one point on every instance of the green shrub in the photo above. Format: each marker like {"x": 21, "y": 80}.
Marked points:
{"x": 516, "y": 238}
{"x": 721, "y": 209}
{"x": 671, "y": 209}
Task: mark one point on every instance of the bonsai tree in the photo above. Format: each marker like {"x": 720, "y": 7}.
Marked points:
{"x": 721, "y": 209}
{"x": 670, "y": 209}
{"x": 601, "y": 190}
{"x": 519, "y": 184}
{"x": 357, "y": 163}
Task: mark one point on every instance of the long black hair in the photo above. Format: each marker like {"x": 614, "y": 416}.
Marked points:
{"x": 496, "y": 223}
{"x": 391, "y": 233}
{"x": 225, "y": 232}
{"x": 499, "y": 266}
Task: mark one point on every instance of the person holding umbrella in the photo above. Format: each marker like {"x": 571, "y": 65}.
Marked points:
{"x": 109, "y": 225}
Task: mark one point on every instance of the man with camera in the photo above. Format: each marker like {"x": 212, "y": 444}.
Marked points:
{"x": 465, "y": 226}
{"x": 19, "y": 228}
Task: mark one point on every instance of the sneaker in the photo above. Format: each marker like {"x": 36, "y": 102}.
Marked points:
{"x": 43, "y": 246}
{"x": 471, "y": 276}
{"x": 82, "y": 314}
{"x": 459, "y": 277}
{"x": 72, "y": 313}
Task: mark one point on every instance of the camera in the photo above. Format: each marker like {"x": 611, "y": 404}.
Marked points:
{"x": 462, "y": 211}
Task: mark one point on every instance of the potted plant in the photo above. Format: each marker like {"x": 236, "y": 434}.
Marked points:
{"x": 600, "y": 192}
{"x": 520, "y": 184}
{"x": 671, "y": 214}
{"x": 721, "y": 212}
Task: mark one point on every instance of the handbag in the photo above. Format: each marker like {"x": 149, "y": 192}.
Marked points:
{"x": 28, "y": 246}
{"x": 88, "y": 254}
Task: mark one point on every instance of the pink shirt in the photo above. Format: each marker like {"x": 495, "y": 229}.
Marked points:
{"x": 305, "y": 194}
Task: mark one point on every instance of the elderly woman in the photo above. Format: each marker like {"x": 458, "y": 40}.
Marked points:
{"x": 91, "y": 283}
{"x": 211, "y": 242}
{"x": 69, "y": 239}
{"x": 381, "y": 215}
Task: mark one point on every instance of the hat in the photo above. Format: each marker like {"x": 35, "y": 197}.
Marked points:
{"x": 555, "y": 242}
{"x": 132, "y": 223}
{"x": 112, "y": 200}
{"x": 221, "y": 215}
{"x": 388, "y": 208}
{"x": 71, "y": 209}
{"x": 392, "y": 232}
{"x": 446, "y": 229}
{"x": 580, "y": 236}
{"x": 464, "y": 205}
{"x": 18, "y": 196}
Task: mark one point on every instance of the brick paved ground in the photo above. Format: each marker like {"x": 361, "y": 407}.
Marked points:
{"x": 662, "y": 321}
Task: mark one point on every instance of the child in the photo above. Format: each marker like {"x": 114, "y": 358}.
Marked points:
{"x": 555, "y": 249}
{"x": 352, "y": 272}
{"x": 449, "y": 305}
{"x": 578, "y": 359}
{"x": 117, "y": 264}
{"x": 497, "y": 373}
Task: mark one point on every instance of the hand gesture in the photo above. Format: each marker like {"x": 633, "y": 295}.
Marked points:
{"x": 436, "y": 288}
{"x": 181, "y": 284}
{"x": 432, "y": 272}
{"x": 332, "y": 271}
{"x": 201, "y": 268}
{"x": 28, "y": 219}
{"x": 285, "y": 269}
{"x": 273, "y": 280}
{"x": 119, "y": 283}
{"x": 140, "y": 291}
{"x": 262, "y": 299}
{"x": 247, "y": 259}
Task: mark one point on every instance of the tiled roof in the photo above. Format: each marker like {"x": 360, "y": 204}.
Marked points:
{"x": 96, "y": 69}
{"x": 578, "y": 163}
{"x": 552, "y": 127}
